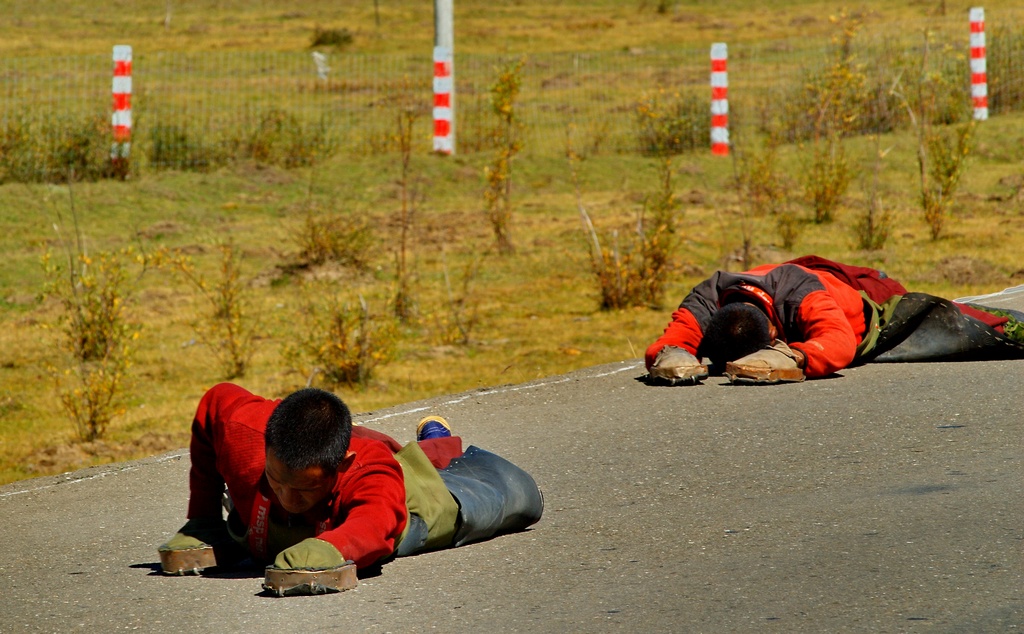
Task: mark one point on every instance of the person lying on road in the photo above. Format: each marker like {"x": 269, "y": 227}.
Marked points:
{"x": 811, "y": 317}
{"x": 304, "y": 489}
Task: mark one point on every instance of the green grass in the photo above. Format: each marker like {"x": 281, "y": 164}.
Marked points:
{"x": 538, "y": 309}
{"x": 61, "y": 27}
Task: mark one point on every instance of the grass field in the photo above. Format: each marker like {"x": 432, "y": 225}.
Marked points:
{"x": 537, "y": 311}
{"x": 63, "y": 27}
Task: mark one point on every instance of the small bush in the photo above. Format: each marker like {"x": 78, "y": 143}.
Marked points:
{"x": 942, "y": 159}
{"x": 329, "y": 237}
{"x": 57, "y": 150}
{"x": 762, "y": 184}
{"x": 1004, "y": 51}
{"x": 764, "y": 190}
{"x": 276, "y": 137}
{"x": 174, "y": 146}
{"x": 408, "y": 194}
{"x": 826, "y": 178}
{"x": 338, "y": 38}
{"x": 229, "y": 327}
{"x": 856, "y": 98}
{"x": 873, "y": 226}
{"x": 669, "y": 126}
{"x": 635, "y": 273}
{"x": 454, "y": 323}
{"x": 508, "y": 135}
{"x": 342, "y": 343}
{"x": 22, "y": 159}
{"x": 97, "y": 336}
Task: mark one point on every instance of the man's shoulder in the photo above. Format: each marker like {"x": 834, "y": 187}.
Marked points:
{"x": 229, "y": 405}
{"x": 365, "y": 433}
{"x": 370, "y": 445}
{"x": 372, "y": 452}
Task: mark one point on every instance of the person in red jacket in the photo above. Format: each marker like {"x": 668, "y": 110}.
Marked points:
{"x": 307, "y": 490}
{"x": 773, "y": 323}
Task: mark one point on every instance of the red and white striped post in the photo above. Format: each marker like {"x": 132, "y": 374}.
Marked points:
{"x": 719, "y": 100}
{"x": 444, "y": 98}
{"x": 122, "y": 90}
{"x": 979, "y": 73}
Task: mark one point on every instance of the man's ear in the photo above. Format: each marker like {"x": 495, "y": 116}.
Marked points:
{"x": 347, "y": 461}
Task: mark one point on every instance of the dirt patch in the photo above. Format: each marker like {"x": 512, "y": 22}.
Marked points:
{"x": 690, "y": 18}
{"x": 161, "y": 229}
{"x": 71, "y": 456}
{"x": 326, "y": 272}
{"x": 962, "y": 270}
{"x": 451, "y": 228}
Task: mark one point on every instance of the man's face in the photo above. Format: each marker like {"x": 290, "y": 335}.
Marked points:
{"x": 298, "y": 491}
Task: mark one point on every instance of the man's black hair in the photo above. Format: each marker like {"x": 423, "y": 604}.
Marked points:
{"x": 311, "y": 427}
{"x": 735, "y": 330}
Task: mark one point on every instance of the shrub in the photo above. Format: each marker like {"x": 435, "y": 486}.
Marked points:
{"x": 338, "y": 38}
{"x": 175, "y": 147}
{"x": 341, "y": 343}
{"x": 229, "y": 327}
{"x": 508, "y": 136}
{"x": 455, "y": 321}
{"x": 277, "y": 137}
{"x": 873, "y": 227}
{"x": 58, "y": 150}
{"x": 762, "y": 184}
{"x": 942, "y": 159}
{"x": 764, "y": 190}
{"x": 97, "y": 336}
{"x": 21, "y": 157}
{"x": 669, "y": 126}
{"x": 403, "y": 302}
{"x": 854, "y": 99}
{"x": 634, "y": 274}
{"x": 330, "y": 237}
{"x": 826, "y": 178}
{"x": 1004, "y": 51}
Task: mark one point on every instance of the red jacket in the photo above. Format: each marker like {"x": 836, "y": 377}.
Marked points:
{"x": 366, "y": 511}
{"x": 813, "y": 311}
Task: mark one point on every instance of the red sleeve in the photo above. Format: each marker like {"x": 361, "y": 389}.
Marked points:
{"x": 683, "y": 331}
{"x": 227, "y": 448}
{"x": 368, "y": 511}
{"x": 829, "y": 340}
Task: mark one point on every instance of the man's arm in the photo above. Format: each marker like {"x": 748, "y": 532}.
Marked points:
{"x": 683, "y": 332}
{"x": 370, "y": 506}
{"x": 829, "y": 343}
{"x": 227, "y": 433}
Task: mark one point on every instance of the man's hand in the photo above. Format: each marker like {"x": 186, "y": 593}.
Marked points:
{"x": 197, "y": 533}
{"x": 191, "y": 549}
{"x": 312, "y": 566}
{"x": 309, "y": 554}
{"x": 203, "y": 542}
{"x": 676, "y": 366}
{"x": 774, "y": 364}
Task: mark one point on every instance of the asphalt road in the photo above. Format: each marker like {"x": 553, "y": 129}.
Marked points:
{"x": 885, "y": 500}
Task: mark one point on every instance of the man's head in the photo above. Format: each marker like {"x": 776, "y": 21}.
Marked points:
{"x": 307, "y": 440}
{"x": 735, "y": 330}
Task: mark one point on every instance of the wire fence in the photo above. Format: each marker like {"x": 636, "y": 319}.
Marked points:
{"x": 195, "y": 111}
